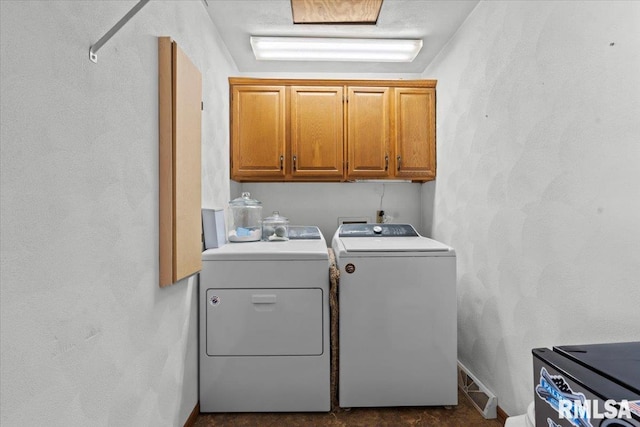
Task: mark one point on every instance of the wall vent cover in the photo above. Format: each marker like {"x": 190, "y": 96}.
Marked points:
{"x": 479, "y": 395}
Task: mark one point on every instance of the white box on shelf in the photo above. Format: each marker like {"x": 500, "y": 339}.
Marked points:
{"x": 213, "y": 228}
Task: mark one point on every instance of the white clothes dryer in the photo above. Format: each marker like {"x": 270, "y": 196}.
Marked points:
{"x": 264, "y": 326}
{"x": 397, "y": 321}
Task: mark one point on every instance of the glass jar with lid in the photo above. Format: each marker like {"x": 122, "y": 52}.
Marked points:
{"x": 245, "y": 216}
{"x": 275, "y": 228}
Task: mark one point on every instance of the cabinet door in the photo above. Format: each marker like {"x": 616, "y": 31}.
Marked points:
{"x": 368, "y": 132}
{"x": 258, "y": 132}
{"x": 415, "y": 133}
{"x": 317, "y": 117}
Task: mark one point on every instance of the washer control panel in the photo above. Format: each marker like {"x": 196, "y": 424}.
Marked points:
{"x": 377, "y": 230}
{"x": 304, "y": 232}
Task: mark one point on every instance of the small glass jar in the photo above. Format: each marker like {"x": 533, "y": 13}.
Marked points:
{"x": 245, "y": 215}
{"x": 275, "y": 228}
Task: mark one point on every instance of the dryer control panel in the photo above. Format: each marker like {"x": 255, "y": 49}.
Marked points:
{"x": 377, "y": 230}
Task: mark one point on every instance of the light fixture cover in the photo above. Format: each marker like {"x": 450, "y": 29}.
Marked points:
{"x": 334, "y": 49}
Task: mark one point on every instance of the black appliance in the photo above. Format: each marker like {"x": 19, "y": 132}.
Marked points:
{"x": 595, "y": 385}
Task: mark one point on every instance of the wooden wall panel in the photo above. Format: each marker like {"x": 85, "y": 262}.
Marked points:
{"x": 187, "y": 193}
{"x": 180, "y": 115}
{"x": 165, "y": 118}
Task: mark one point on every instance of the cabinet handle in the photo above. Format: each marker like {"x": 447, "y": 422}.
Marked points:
{"x": 295, "y": 166}
{"x": 386, "y": 162}
{"x": 399, "y": 162}
{"x": 281, "y": 162}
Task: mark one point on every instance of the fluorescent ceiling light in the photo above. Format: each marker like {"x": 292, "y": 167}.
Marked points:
{"x": 334, "y": 49}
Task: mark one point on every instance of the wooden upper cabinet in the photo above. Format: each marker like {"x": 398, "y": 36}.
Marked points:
{"x": 317, "y": 117}
{"x": 415, "y": 133}
{"x": 258, "y": 132}
{"x": 332, "y": 130}
{"x": 368, "y": 132}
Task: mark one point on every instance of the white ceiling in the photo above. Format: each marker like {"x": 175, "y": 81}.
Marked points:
{"x": 433, "y": 21}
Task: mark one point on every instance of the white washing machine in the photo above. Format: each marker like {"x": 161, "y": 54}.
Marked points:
{"x": 264, "y": 326}
{"x": 397, "y": 302}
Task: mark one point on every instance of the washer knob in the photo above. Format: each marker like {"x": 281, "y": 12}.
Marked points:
{"x": 377, "y": 229}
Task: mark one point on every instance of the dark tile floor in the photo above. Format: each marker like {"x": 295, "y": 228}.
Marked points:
{"x": 463, "y": 415}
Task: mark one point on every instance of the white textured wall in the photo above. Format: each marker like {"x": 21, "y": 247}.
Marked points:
{"x": 88, "y": 338}
{"x": 321, "y": 204}
{"x": 538, "y": 184}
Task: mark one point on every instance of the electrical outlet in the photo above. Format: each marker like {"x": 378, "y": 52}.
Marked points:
{"x": 379, "y": 217}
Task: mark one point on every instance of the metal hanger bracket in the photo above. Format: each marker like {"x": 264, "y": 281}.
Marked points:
{"x": 93, "y": 49}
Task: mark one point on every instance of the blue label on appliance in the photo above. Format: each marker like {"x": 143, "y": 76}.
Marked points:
{"x": 556, "y": 391}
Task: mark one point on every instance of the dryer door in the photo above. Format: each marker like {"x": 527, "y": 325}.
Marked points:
{"x": 264, "y": 322}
